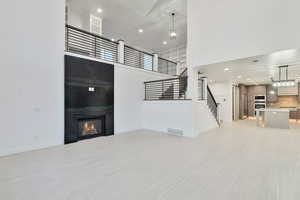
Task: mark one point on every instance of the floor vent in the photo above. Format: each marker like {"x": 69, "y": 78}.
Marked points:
{"x": 176, "y": 132}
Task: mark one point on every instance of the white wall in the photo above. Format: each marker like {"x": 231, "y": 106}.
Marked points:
{"x": 227, "y": 30}
{"x": 203, "y": 119}
{"x": 177, "y": 55}
{"x": 191, "y": 117}
{"x": 161, "y": 115}
{"x": 31, "y": 75}
{"x": 129, "y": 96}
{"x": 223, "y": 95}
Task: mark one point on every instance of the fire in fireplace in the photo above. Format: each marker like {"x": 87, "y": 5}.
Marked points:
{"x": 90, "y": 127}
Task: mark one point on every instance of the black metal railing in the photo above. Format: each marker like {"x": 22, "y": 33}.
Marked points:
{"x": 201, "y": 89}
{"x": 167, "y": 67}
{"x": 89, "y": 44}
{"x": 212, "y": 104}
{"x": 167, "y": 89}
{"x": 139, "y": 59}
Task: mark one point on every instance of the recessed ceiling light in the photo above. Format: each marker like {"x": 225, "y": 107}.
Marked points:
{"x": 165, "y": 42}
{"x": 99, "y": 10}
{"x": 226, "y": 69}
{"x": 112, "y": 39}
{"x": 141, "y": 30}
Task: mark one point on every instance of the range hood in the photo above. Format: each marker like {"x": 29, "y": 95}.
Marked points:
{"x": 288, "y": 91}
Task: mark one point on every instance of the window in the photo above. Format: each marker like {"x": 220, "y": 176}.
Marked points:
{"x": 95, "y": 25}
{"x": 107, "y": 55}
{"x": 148, "y": 62}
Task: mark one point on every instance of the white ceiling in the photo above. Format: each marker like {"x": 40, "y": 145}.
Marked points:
{"x": 123, "y": 18}
{"x": 248, "y": 72}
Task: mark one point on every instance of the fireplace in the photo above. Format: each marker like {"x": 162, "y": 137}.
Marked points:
{"x": 89, "y": 99}
{"x": 91, "y": 127}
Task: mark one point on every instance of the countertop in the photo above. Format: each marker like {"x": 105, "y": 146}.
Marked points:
{"x": 273, "y": 110}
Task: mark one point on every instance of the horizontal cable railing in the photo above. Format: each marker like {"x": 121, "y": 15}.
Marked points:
{"x": 138, "y": 59}
{"x": 167, "y": 89}
{"x": 167, "y": 66}
{"x": 89, "y": 44}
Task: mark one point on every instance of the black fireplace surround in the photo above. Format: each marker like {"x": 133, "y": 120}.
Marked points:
{"x": 89, "y": 99}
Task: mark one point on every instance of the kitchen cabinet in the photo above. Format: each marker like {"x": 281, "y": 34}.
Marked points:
{"x": 293, "y": 115}
{"x": 272, "y": 94}
{"x": 299, "y": 92}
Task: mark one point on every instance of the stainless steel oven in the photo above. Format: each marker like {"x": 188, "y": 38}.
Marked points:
{"x": 260, "y": 98}
{"x": 259, "y": 106}
{"x": 259, "y": 102}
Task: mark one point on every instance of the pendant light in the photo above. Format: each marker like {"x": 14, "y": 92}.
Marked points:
{"x": 283, "y": 82}
{"x": 173, "y": 33}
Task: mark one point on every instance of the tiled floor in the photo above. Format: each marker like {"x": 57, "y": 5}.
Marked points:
{"x": 235, "y": 162}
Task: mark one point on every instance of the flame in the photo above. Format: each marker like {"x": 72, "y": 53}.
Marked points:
{"x": 88, "y": 128}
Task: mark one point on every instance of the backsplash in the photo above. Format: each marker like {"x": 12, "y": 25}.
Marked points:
{"x": 285, "y": 101}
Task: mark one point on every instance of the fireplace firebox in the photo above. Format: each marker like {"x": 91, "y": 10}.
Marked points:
{"x": 91, "y": 127}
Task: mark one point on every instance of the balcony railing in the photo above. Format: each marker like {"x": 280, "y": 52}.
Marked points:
{"x": 137, "y": 58}
{"x": 88, "y": 44}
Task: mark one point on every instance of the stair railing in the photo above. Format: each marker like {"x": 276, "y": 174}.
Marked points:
{"x": 212, "y": 104}
{"x": 166, "y": 89}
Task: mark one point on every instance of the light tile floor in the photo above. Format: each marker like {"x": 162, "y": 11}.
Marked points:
{"x": 235, "y": 162}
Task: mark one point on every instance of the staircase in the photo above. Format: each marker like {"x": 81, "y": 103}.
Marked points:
{"x": 167, "y": 89}
{"x": 168, "y": 94}
{"x": 182, "y": 87}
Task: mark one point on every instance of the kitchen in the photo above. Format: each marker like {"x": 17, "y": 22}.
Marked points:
{"x": 263, "y": 89}
{"x": 270, "y": 105}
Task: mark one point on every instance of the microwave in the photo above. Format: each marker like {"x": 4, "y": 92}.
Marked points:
{"x": 260, "y": 98}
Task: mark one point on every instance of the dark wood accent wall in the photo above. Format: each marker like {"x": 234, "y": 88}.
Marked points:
{"x": 299, "y": 92}
{"x": 243, "y": 101}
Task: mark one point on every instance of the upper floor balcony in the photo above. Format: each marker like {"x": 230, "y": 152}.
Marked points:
{"x": 89, "y": 44}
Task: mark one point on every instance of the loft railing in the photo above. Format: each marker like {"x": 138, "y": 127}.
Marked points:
{"x": 137, "y": 58}
{"x": 88, "y": 44}
{"x": 166, "y": 89}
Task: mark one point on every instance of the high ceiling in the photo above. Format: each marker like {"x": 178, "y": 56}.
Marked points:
{"x": 254, "y": 70}
{"x": 123, "y": 18}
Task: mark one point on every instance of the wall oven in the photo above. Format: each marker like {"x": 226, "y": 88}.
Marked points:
{"x": 259, "y": 102}
{"x": 260, "y": 98}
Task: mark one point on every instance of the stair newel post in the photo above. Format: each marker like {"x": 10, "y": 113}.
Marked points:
{"x": 205, "y": 84}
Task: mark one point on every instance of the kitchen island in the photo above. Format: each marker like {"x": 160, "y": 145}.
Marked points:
{"x": 273, "y": 118}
